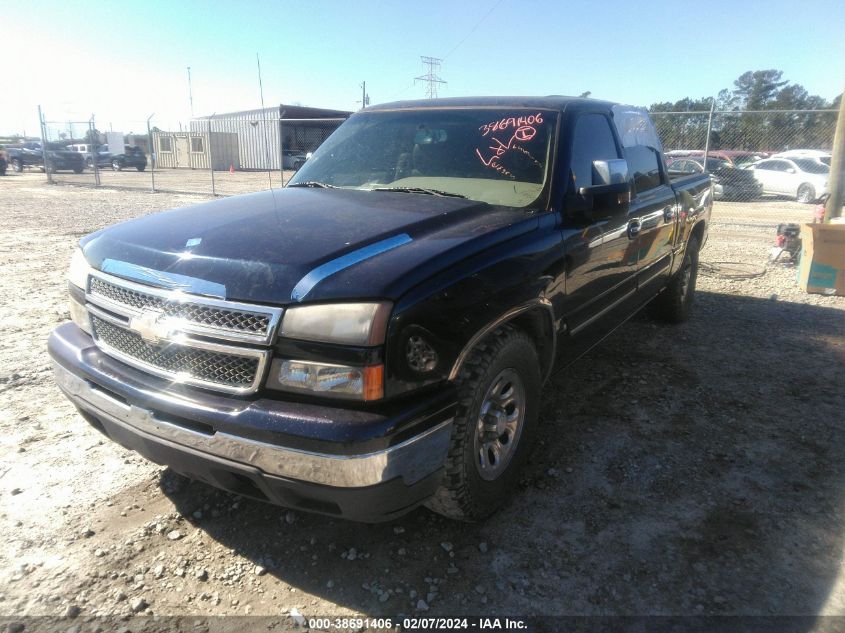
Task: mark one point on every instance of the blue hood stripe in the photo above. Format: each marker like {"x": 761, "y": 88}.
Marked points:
{"x": 307, "y": 283}
{"x": 161, "y": 279}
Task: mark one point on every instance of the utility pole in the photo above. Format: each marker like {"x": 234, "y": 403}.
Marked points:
{"x": 430, "y": 77}
{"x": 190, "y": 92}
{"x": 365, "y": 98}
{"x": 836, "y": 182}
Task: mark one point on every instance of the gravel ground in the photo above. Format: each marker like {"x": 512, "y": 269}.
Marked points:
{"x": 684, "y": 470}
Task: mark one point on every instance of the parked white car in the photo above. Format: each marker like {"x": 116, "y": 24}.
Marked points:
{"x": 805, "y": 179}
{"x": 815, "y": 154}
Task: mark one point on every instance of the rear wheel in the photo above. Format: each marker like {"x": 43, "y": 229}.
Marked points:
{"x": 17, "y": 165}
{"x": 499, "y": 393}
{"x": 77, "y": 170}
{"x": 116, "y": 166}
{"x": 806, "y": 193}
{"x": 674, "y": 303}
{"x": 140, "y": 167}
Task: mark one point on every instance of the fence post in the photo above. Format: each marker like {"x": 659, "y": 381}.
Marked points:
{"x": 95, "y": 154}
{"x": 43, "y": 146}
{"x": 152, "y": 155}
{"x": 836, "y": 184}
{"x": 211, "y": 157}
{"x": 709, "y": 128}
{"x": 281, "y": 150}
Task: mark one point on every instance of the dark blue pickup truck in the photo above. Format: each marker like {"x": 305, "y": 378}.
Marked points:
{"x": 32, "y": 154}
{"x": 375, "y": 336}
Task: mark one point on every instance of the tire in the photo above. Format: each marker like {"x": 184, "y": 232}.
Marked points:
{"x": 674, "y": 303}
{"x": 17, "y": 165}
{"x": 503, "y": 368}
{"x": 116, "y": 166}
{"x": 89, "y": 163}
{"x": 77, "y": 170}
{"x": 806, "y": 193}
{"x": 140, "y": 167}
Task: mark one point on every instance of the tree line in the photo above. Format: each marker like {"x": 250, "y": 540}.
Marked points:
{"x": 741, "y": 125}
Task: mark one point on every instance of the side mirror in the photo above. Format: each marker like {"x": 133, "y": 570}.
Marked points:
{"x": 609, "y": 177}
{"x": 611, "y": 189}
{"x": 790, "y": 171}
{"x": 610, "y": 172}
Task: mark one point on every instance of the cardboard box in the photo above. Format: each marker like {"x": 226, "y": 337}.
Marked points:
{"x": 821, "y": 269}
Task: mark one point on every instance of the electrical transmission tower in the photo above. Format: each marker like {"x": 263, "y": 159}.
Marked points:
{"x": 430, "y": 78}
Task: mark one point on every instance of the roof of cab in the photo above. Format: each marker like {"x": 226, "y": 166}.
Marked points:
{"x": 551, "y": 102}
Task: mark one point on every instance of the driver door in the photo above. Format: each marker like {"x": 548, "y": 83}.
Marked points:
{"x": 600, "y": 252}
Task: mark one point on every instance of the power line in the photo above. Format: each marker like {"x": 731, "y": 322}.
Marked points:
{"x": 472, "y": 30}
{"x": 431, "y": 77}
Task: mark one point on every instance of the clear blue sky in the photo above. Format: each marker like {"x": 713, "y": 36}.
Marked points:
{"x": 126, "y": 60}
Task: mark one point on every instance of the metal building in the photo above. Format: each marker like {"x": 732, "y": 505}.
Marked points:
{"x": 258, "y": 132}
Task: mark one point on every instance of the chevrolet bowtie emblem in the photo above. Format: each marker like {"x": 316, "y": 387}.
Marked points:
{"x": 152, "y": 327}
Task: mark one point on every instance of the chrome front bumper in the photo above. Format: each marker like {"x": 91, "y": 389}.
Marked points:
{"x": 411, "y": 460}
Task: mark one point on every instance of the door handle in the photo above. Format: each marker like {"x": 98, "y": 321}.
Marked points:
{"x": 634, "y": 227}
{"x": 668, "y": 214}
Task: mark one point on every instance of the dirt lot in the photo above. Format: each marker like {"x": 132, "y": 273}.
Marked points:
{"x": 684, "y": 470}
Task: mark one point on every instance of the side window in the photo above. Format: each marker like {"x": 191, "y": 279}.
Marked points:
{"x": 644, "y": 167}
{"x": 772, "y": 165}
{"x": 592, "y": 140}
{"x": 164, "y": 143}
{"x": 196, "y": 144}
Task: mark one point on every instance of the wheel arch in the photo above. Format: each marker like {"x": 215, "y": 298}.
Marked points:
{"x": 698, "y": 232}
{"x": 535, "y": 318}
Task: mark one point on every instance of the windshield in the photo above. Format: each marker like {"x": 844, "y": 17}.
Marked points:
{"x": 811, "y": 166}
{"x": 498, "y": 156}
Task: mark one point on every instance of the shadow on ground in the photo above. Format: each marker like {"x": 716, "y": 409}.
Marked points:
{"x": 686, "y": 470}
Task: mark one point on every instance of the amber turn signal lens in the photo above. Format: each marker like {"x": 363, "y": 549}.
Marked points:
{"x": 374, "y": 382}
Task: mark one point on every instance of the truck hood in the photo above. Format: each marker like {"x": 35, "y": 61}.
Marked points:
{"x": 298, "y": 244}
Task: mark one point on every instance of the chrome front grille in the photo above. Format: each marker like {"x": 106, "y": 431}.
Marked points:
{"x": 198, "y": 365}
{"x": 182, "y": 337}
{"x": 239, "y": 322}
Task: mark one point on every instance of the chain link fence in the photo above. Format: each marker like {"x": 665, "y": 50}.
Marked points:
{"x": 216, "y": 156}
{"x": 751, "y": 154}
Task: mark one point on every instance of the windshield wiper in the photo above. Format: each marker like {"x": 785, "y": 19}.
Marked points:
{"x": 314, "y": 184}
{"x": 429, "y": 192}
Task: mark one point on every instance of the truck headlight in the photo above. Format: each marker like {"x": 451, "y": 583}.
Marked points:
{"x": 79, "y": 269}
{"x": 77, "y": 277}
{"x": 342, "y": 323}
{"x": 341, "y": 381}
{"x": 79, "y": 315}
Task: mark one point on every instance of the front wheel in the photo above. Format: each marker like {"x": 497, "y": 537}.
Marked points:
{"x": 806, "y": 193}
{"x": 115, "y": 165}
{"x": 674, "y": 303}
{"x": 140, "y": 167}
{"x": 17, "y": 165}
{"x": 498, "y": 401}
